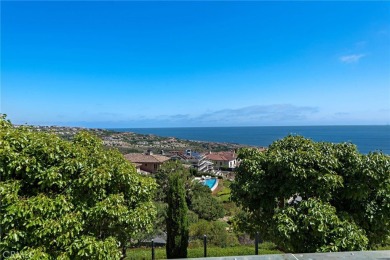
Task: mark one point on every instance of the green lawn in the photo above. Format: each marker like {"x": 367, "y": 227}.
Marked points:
{"x": 384, "y": 247}
{"x": 146, "y": 253}
{"x": 224, "y": 194}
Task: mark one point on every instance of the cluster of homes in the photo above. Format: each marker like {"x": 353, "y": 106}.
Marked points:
{"x": 211, "y": 162}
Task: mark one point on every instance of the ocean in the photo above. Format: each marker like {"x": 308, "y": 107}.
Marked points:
{"x": 367, "y": 138}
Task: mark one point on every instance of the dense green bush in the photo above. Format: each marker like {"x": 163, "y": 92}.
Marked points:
{"x": 204, "y": 204}
{"x": 198, "y": 196}
{"x": 307, "y": 196}
{"x": 216, "y": 232}
{"x": 68, "y": 200}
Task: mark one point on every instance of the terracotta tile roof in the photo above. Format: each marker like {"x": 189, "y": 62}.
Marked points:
{"x": 221, "y": 156}
{"x": 145, "y": 158}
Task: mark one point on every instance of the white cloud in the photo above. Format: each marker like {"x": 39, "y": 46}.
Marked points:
{"x": 360, "y": 45}
{"x": 277, "y": 114}
{"x": 354, "y": 58}
{"x": 257, "y": 114}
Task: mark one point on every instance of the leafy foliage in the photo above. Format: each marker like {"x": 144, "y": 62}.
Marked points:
{"x": 309, "y": 196}
{"x": 212, "y": 251}
{"x": 177, "y": 222}
{"x": 163, "y": 174}
{"x": 198, "y": 196}
{"x": 68, "y": 200}
{"x": 204, "y": 204}
{"x": 326, "y": 231}
{"x": 216, "y": 232}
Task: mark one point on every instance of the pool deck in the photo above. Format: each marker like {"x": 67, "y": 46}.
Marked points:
{"x": 215, "y": 184}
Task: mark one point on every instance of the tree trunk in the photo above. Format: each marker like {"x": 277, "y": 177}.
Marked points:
{"x": 124, "y": 251}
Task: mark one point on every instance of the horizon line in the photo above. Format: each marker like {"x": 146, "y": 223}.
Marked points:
{"x": 170, "y": 127}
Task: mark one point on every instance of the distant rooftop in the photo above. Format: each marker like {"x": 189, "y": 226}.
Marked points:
{"x": 145, "y": 158}
{"x": 221, "y": 156}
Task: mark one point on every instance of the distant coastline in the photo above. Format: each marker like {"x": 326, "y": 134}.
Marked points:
{"x": 368, "y": 138}
{"x": 131, "y": 142}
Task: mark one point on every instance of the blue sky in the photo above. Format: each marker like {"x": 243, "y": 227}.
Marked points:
{"x": 175, "y": 64}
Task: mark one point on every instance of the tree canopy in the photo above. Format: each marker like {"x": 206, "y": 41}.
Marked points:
{"x": 198, "y": 196}
{"x": 177, "y": 220}
{"x": 216, "y": 231}
{"x": 163, "y": 174}
{"x": 204, "y": 204}
{"x": 68, "y": 200}
{"x": 311, "y": 196}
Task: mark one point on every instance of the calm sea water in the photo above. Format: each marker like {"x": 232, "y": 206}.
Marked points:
{"x": 367, "y": 138}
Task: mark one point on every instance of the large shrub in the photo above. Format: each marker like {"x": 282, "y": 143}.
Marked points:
{"x": 308, "y": 196}
{"x": 216, "y": 231}
{"x": 204, "y": 204}
{"x": 68, "y": 200}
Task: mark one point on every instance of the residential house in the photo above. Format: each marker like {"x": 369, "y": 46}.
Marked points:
{"x": 223, "y": 159}
{"x": 195, "y": 159}
{"x": 148, "y": 162}
{"x": 138, "y": 167}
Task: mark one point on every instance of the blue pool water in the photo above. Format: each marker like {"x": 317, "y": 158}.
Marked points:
{"x": 210, "y": 182}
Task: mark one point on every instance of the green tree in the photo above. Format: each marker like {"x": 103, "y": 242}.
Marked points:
{"x": 162, "y": 178}
{"x": 159, "y": 225}
{"x": 68, "y": 200}
{"x": 198, "y": 196}
{"x": 216, "y": 232}
{"x": 177, "y": 222}
{"x": 308, "y": 196}
{"x": 204, "y": 204}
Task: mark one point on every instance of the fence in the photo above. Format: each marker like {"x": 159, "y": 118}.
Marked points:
{"x": 256, "y": 246}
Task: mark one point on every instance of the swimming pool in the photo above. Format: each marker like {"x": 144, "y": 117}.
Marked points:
{"x": 211, "y": 183}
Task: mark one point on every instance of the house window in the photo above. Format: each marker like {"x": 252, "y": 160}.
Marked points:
{"x": 155, "y": 166}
